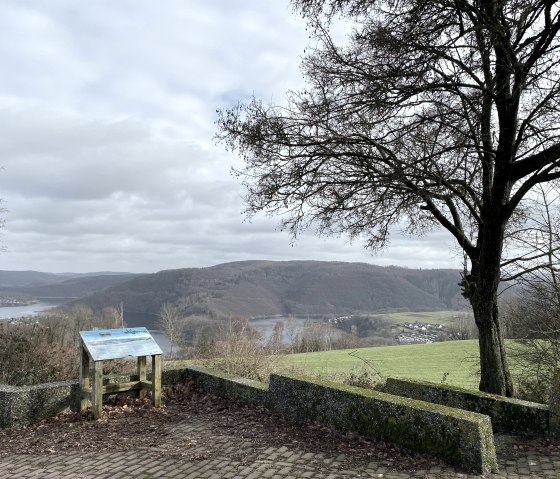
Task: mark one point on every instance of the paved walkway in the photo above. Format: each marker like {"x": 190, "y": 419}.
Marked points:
{"x": 211, "y": 439}
{"x": 239, "y": 458}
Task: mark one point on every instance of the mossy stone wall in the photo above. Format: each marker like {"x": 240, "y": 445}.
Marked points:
{"x": 24, "y": 405}
{"x": 554, "y": 404}
{"x": 507, "y": 414}
{"x": 460, "y": 437}
{"x": 230, "y": 387}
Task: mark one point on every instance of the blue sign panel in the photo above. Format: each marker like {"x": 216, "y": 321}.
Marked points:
{"x": 119, "y": 343}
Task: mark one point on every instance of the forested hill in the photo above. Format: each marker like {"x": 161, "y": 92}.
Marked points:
{"x": 255, "y": 288}
{"x": 68, "y": 285}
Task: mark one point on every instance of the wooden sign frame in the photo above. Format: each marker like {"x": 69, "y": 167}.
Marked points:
{"x": 106, "y": 344}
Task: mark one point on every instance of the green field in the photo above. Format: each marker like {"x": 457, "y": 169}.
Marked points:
{"x": 457, "y": 360}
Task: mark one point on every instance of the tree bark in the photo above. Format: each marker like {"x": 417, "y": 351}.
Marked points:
{"x": 495, "y": 377}
{"x": 481, "y": 289}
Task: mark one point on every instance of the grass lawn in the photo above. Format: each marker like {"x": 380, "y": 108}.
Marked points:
{"x": 458, "y": 360}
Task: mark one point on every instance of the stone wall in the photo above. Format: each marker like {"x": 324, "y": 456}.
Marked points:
{"x": 23, "y": 405}
{"x": 230, "y": 387}
{"x": 460, "y": 437}
{"x": 507, "y": 414}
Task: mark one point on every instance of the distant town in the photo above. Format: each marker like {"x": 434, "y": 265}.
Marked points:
{"x": 418, "y": 331}
{"x": 421, "y": 333}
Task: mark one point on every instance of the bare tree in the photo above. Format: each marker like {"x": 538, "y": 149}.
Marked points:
{"x": 171, "y": 323}
{"x": 314, "y": 336}
{"x": 431, "y": 114}
{"x": 276, "y": 339}
{"x": 537, "y": 242}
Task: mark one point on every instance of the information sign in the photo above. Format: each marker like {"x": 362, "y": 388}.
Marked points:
{"x": 103, "y": 344}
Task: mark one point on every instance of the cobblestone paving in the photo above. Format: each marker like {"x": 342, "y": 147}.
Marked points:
{"x": 231, "y": 457}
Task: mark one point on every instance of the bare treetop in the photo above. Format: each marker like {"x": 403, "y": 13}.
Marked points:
{"x": 431, "y": 114}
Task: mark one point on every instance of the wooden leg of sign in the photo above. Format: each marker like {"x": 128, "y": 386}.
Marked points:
{"x": 84, "y": 380}
{"x": 142, "y": 375}
{"x": 97, "y": 389}
{"x": 156, "y": 380}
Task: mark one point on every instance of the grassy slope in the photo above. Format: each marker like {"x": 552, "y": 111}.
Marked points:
{"x": 419, "y": 361}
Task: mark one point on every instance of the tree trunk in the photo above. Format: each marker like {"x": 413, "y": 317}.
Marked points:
{"x": 481, "y": 289}
{"x": 495, "y": 377}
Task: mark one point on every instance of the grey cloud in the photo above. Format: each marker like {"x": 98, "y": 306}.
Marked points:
{"x": 107, "y": 111}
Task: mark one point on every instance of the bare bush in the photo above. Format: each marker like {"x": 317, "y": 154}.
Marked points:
{"x": 172, "y": 324}
{"x": 534, "y": 320}
{"x": 197, "y": 336}
{"x": 27, "y": 356}
{"x": 366, "y": 376}
{"x": 275, "y": 343}
{"x": 462, "y": 328}
{"x": 46, "y": 348}
{"x": 239, "y": 350}
{"x": 315, "y": 336}
{"x": 363, "y": 377}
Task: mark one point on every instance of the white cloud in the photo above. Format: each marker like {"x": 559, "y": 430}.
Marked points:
{"x": 107, "y": 111}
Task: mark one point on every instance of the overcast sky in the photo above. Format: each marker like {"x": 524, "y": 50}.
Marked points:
{"x": 107, "y": 114}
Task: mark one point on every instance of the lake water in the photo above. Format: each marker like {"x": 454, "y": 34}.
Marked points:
{"x": 265, "y": 326}
{"x": 8, "y": 312}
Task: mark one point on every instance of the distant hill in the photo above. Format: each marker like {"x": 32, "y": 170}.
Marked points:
{"x": 27, "y": 278}
{"x": 65, "y": 285}
{"x": 265, "y": 288}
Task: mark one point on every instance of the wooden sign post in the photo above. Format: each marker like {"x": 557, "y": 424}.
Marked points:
{"x": 105, "y": 344}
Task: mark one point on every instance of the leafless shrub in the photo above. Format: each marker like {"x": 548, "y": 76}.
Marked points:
{"x": 275, "y": 344}
{"x": 362, "y": 378}
{"x": 534, "y": 320}
{"x": 46, "y": 348}
{"x": 315, "y": 336}
{"x": 239, "y": 350}
{"x": 366, "y": 376}
{"x": 27, "y": 356}
{"x": 172, "y": 324}
{"x": 462, "y": 328}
